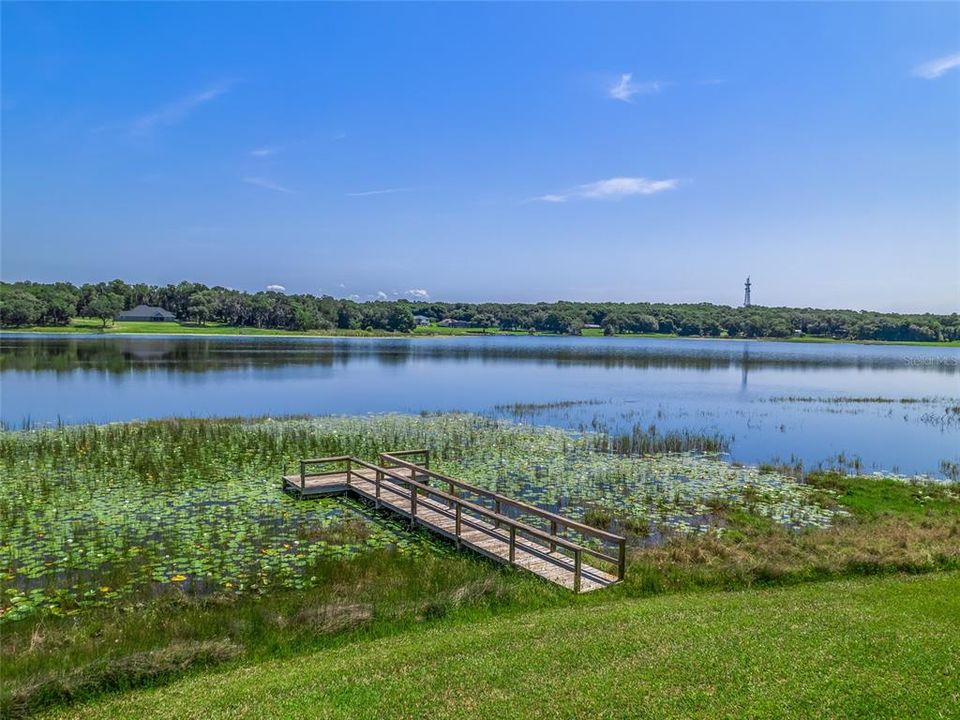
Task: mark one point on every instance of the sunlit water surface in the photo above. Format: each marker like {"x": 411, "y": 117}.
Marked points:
{"x": 772, "y": 400}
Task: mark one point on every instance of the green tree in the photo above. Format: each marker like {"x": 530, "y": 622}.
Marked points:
{"x": 105, "y": 306}
{"x": 18, "y": 307}
{"x": 400, "y": 318}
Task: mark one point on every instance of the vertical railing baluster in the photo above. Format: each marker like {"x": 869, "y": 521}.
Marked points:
{"x": 413, "y": 505}
{"x": 513, "y": 543}
{"x": 622, "y": 565}
{"x": 457, "y": 530}
{"x": 553, "y": 532}
{"x": 576, "y": 570}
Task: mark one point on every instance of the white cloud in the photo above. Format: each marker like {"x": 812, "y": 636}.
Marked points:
{"x": 176, "y": 111}
{"x": 625, "y": 88}
{"x": 381, "y": 295}
{"x": 267, "y": 184}
{"x": 417, "y": 294}
{"x": 387, "y": 191}
{"x": 936, "y": 68}
{"x": 276, "y": 288}
{"x": 612, "y": 189}
{"x": 354, "y": 297}
{"x": 265, "y": 151}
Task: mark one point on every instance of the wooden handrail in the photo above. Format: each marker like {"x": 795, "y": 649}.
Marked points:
{"x": 486, "y": 512}
{"x": 457, "y": 505}
{"x": 533, "y": 509}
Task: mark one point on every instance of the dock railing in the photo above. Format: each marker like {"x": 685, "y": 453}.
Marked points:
{"x": 466, "y": 514}
{"x": 557, "y": 522}
{"x": 410, "y": 481}
{"x": 345, "y": 460}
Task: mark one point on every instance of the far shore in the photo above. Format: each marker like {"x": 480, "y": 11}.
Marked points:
{"x": 83, "y": 326}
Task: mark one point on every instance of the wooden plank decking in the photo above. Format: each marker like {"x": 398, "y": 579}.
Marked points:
{"x": 403, "y": 488}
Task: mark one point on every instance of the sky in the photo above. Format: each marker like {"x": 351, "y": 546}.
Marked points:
{"x": 489, "y": 152}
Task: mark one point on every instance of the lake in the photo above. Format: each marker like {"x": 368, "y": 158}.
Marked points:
{"x": 773, "y": 400}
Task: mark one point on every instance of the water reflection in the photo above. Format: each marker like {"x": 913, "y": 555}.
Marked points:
{"x": 713, "y": 387}
{"x": 200, "y": 354}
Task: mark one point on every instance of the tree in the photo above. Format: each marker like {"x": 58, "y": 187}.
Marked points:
{"x": 105, "y": 306}
{"x": 484, "y": 320}
{"x": 18, "y": 307}
{"x": 400, "y": 318}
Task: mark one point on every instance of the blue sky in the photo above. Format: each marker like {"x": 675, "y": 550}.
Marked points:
{"x": 496, "y": 152}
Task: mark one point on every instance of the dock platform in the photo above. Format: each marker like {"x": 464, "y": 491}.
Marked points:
{"x": 576, "y": 556}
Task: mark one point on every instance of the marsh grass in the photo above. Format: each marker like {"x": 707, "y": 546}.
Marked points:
{"x": 98, "y": 515}
{"x": 135, "y": 553}
{"x": 51, "y": 660}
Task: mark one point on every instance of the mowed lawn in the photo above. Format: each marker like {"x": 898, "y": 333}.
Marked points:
{"x": 875, "y": 648}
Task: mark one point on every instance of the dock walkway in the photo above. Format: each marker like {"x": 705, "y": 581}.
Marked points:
{"x": 486, "y": 522}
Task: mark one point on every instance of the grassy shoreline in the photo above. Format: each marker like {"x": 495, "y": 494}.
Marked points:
{"x": 85, "y": 326}
{"x": 241, "y": 575}
{"x": 886, "y": 644}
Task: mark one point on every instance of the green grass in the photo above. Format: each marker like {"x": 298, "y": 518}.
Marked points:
{"x": 94, "y": 326}
{"x": 136, "y": 554}
{"x": 866, "y": 648}
{"x": 869, "y": 497}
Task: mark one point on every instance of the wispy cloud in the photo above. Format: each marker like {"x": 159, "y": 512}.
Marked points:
{"x": 935, "y": 68}
{"x": 276, "y": 288}
{"x": 176, "y": 111}
{"x": 265, "y": 151}
{"x": 625, "y": 88}
{"x": 611, "y": 189}
{"x": 417, "y": 294}
{"x": 387, "y": 191}
{"x": 267, "y": 184}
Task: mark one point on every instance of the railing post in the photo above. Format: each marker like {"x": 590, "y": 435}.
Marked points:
{"x": 496, "y": 509}
{"x": 622, "y": 565}
{"x": 513, "y": 543}
{"x": 553, "y": 531}
{"x": 378, "y": 479}
{"x": 426, "y": 459}
{"x": 457, "y": 531}
{"x": 576, "y": 570}
{"x": 349, "y": 469}
{"x": 303, "y": 476}
{"x": 413, "y": 505}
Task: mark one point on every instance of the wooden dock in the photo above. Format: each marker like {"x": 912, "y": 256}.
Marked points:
{"x": 563, "y": 551}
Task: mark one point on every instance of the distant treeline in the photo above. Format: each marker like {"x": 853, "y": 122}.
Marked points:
{"x": 26, "y": 303}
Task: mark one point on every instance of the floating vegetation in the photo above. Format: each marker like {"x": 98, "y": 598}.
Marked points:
{"x": 530, "y": 408}
{"x": 868, "y": 400}
{"x": 101, "y": 515}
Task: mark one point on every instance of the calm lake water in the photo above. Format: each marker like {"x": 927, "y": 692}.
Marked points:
{"x": 773, "y": 400}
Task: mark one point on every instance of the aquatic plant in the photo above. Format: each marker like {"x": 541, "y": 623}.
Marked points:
{"x": 92, "y": 515}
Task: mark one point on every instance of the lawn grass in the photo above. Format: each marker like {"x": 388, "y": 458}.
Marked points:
{"x": 95, "y": 326}
{"x": 874, "y": 648}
